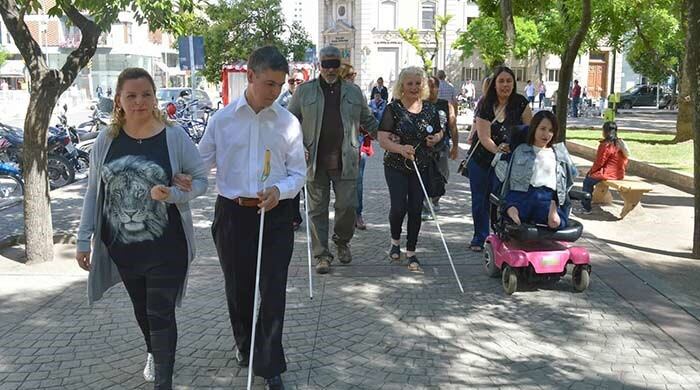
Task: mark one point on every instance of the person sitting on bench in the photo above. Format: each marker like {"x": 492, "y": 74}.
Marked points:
{"x": 610, "y": 163}
{"x": 540, "y": 175}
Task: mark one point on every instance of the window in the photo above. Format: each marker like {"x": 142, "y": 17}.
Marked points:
{"x": 428, "y": 15}
{"x": 387, "y": 15}
{"x": 519, "y": 74}
{"x": 470, "y": 19}
{"x": 473, "y": 74}
{"x": 553, "y": 75}
{"x": 128, "y": 35}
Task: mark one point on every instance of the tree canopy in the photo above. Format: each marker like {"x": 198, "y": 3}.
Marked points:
{"x": 233, "y": 29}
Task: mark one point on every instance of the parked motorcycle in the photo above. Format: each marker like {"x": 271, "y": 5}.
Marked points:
{"x": 11, "y": 184}
{"x": 62, "y": 155}
{"x": 81, "y": 157}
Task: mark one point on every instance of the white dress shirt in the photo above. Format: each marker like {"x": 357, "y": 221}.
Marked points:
{"x": 235, "y": 142}
{"x": 544, "y": 171}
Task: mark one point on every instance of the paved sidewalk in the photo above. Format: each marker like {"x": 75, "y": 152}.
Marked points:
{"x": 371, "y": 325}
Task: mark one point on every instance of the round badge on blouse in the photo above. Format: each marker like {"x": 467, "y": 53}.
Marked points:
{"x": 429, "y": 129}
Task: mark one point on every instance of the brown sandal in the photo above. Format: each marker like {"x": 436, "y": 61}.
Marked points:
{"x": 476, "y": 248}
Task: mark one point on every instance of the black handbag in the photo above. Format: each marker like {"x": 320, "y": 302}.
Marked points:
{"x": 435, "y": 181}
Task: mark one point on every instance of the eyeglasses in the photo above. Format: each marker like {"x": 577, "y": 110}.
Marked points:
{"x": 295, "y": 81}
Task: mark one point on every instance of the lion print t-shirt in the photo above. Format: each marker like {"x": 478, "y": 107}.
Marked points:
{"x": 136, "y": 227}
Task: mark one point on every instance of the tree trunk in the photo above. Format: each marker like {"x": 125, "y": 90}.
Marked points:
{"x": 684, "y": 121}
{"x": 566, "y": 72}
{"x": 38, "y": 228}
{"x": 693, "y": 71}
{"x": 506, "y": 7}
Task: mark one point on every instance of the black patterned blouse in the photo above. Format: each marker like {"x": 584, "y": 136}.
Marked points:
{"x": 412, "y": 129}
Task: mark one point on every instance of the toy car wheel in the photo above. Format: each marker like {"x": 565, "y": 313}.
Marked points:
{"x": 580, "y": 278}
{"x": 490, "y": 261}
{"x": 509, "y": 278}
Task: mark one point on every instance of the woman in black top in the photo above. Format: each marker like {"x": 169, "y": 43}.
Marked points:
{"x": 142, "y": 226}
{"x": 500, "y": 110}
{"x": 409, "y": 129}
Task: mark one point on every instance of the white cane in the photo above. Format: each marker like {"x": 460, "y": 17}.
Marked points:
{"x": 308, "y": 240}
{"x": 432, "y": 211}
{"x": 265, "y": 174}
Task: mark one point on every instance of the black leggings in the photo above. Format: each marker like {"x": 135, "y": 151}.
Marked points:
{"x": 406, "y": 196}
{"x": 153, "y": 290}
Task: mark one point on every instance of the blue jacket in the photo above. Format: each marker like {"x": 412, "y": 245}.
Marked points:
{"x": 521, "y": 166}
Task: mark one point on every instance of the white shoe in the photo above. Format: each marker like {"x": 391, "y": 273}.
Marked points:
{"x": 149, "y": 372}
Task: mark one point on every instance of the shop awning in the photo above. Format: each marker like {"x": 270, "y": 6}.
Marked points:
{"x": 12, "y": 68}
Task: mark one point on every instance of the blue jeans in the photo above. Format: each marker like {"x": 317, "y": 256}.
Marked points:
{"x": 533, "y": 205}
{"x": 360, "y": 177}
{"x": 588, "y": 184}
{"x": 574, "y": 108}
{"x": 482, "y": 181}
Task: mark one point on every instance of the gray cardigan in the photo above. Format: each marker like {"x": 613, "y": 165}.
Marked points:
{"x": 184, "y": 158}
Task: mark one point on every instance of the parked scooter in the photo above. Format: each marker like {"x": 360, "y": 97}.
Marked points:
{"x": 62, "y": 155}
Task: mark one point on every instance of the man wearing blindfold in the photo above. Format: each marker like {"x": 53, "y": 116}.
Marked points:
{"x": 331, "y": 111}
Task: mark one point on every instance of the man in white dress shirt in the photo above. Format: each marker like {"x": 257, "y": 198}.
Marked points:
{"x": 235, "y": 142}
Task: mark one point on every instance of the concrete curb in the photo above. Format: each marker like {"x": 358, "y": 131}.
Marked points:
{"x": 676, "y": 180}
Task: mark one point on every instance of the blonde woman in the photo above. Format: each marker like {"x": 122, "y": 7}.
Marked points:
{"x": 409, "y": 129}
{"x": 136, "y": 227}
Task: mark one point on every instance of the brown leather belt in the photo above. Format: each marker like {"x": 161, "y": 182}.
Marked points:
{"x": 246, "y": 202}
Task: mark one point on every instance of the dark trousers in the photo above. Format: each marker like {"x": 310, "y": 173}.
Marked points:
{"x": 406, "y": 197}
{"x": 235, "y": 231}
{"x": 482, "y": 181}
{"x": 588, "y": 184}
{"x": 153, "y": 289}
{"x": 296, "y": 202}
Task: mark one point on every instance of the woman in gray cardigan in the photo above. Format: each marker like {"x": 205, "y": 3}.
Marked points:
{"x": 136, "y": 226}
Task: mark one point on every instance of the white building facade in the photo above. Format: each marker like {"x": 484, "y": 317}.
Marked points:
{"x": 127, "y": 44}
{"x": 366, "y": 31}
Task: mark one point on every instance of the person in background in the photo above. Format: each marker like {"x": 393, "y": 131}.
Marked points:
{"x": 446, "y": 90}
{"x": 554, "y": 101}
{"x": 575, "y": 98}
{"x": 448, "y": 121}
{"x": 610, "y": 163}
{"x": 530, "y": 93}
{"x": 293, "y": 81}
{"x": 381, "y": 89}
{"x": 377, "y": 105}
{"x": 542, "y": 90}
{"x": 347, "y": 73}
{"x": 484, "y": 89}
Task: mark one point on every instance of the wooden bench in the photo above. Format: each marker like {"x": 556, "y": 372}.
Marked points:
{"x": 631, "y": 192}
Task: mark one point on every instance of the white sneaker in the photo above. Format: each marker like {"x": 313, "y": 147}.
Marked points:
{"x": 149, "y": 372}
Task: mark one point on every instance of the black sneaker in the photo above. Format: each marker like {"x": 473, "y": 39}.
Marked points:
{"x": 242, "y": 359}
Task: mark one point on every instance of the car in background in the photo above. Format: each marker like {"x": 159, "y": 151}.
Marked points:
{"x": 180, "y": 96}
{"x": 644, "y": 95}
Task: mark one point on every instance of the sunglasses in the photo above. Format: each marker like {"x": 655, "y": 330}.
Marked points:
{"x": 295, "y": 81}
{"x": 330, "y": 64}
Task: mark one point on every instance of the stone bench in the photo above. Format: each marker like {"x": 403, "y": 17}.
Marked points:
{"x": 631, "y": 192}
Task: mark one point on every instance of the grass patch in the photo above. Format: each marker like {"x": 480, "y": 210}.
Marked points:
{"x": 657, "y": 149}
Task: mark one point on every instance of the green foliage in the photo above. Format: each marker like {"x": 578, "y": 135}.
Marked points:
{"x": 412, "y": 37}
{"x": 298, "y": 41}
{"x": 159, "y": 14}
{"x": 233, "y": 29}
{"x": 485, "y": 34}
{"x": 3, "y": 55}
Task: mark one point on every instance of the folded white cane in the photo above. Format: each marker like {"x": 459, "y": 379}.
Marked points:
{"x": 263, "y": 177}
{"x": 308, "y": 240}
{"x": 432, "y": 211}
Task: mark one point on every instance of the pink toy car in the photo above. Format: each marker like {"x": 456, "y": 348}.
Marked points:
{"x": 527, "y": 253}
